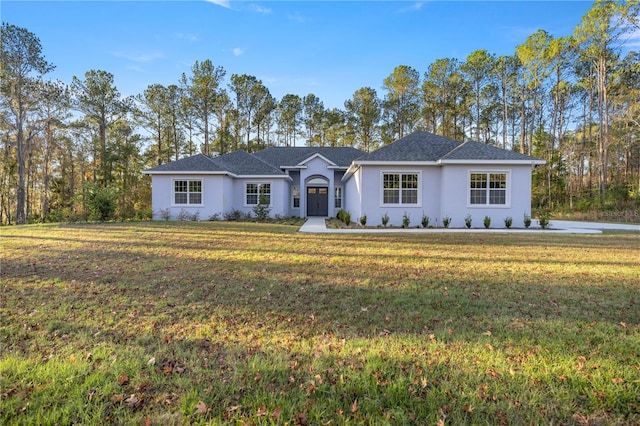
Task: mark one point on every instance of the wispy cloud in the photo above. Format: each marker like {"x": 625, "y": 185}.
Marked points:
{"x": 259, "y": 9}
{"x": 186, "y": 36}
{"x": 633, "y": 40}
{"x": 223, "y": 3}
{"x": 296, "y": 17}
{"x": 237, "y": 51}
{"x": 412, "y": 7}
{"x": 141, "y": 57}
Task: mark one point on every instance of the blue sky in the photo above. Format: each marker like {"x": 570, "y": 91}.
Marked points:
{"x": 328, "y": 48}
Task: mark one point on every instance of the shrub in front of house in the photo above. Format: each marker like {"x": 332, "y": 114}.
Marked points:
{"x": 446, "y": 221}
{"x": 385, "y": 220}
{"x": 467, "y": 221}
{"x": 527, "y": 221}
{"x": 425, "y": 221}
{"x": 363, "y": 220}
{"x": 406, "y": 220}
{"x": 544, "y": 221}
{"x": 487, "y": 222}
{"x": 508, "y": 221}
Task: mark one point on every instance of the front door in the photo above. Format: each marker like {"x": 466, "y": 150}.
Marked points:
{"x": 317, "y": 201}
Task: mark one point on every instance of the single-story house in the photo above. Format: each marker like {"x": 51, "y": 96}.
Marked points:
{"x": 419, "y": 175}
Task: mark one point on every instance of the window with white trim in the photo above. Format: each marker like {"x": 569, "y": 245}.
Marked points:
{"x": 338, "y": 198}
{"x": 400, "y": 188}
{"x": 488, "y": 188}
{"x": 257, "y": 193}
{"x": 187, "y": 192}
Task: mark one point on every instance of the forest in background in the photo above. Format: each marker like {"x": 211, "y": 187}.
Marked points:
{"x": 76, "y": 150}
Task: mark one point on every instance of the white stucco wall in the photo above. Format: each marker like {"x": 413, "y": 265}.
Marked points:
{"x": 455, "y": 196}
{"x": 216, "y": 196}
{"x": 279, "y": 196}
{"x": 352, "y": 196}
{"x": 428, "y": 201}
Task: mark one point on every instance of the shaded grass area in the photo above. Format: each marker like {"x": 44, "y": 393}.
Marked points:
{"x": 197, "y": 323}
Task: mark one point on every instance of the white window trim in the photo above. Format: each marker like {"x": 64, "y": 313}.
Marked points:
{"x": 259, "y": 183}
{"x": 400, "y": 172}
{"x": 293, "y": 188}
{"x": 173, "y": 192}
{"x": 335, "y": 188}
{"x": 507, "y": 195}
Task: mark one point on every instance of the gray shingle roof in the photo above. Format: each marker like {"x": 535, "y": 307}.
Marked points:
{"x": 423, "y": 146}
{"x": 238, "y": 163}
{"x": 472, "y": 150}
{"x": 418, "y": 146}
{"x": 198, "y": 162}
{"x": 292, "y": 156}
{"x": 243, "y": 163}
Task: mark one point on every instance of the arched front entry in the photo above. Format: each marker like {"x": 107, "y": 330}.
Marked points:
{"x": 317, "y": 197}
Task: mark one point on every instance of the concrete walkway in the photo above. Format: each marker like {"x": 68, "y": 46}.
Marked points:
{"x": 316, "y": 225}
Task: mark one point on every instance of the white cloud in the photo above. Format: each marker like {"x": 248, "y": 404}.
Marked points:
{"x": 223, "y": 3}
{"x": 296, "y": 18}
{"x": 259, "y": 9}
{"x": 237, "y": 51}
{"x": 633, "y": 40}
{"x": 141, "y": 57}
{"x": 412, "y": 8}
{"x": 186, "y": 36}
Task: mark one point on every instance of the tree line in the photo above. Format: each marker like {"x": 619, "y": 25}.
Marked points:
{"x": 70, "y": 149}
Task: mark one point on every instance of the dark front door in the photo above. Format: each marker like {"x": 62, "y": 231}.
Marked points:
{"x": 317, "y": 201}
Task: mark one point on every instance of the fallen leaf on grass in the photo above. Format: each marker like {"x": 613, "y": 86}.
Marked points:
{"x": 123, "y": 379}
{"x": 276, "y": 413}
{"x": 117, "y": 398}
{"x": 262, "y": 411}
{"x": 354, "y": 406}
{"x": 201, "y": 408}
{"x": 132, "y": 401}
{"x": 617, "y": 380}
{"x": 151, "y": 361}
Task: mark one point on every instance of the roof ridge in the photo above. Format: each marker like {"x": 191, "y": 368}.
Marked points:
{"x": 458, "y": 146}
{"x": 263, "y": 162}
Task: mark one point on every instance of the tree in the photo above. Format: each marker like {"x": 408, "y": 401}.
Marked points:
{"x": 22, "y": 64}
{"x": 152, "y": 114}
{"x": 312, "y": 115}
{"x": 54, "y": 111}
{"x": 289, "y": 111}
{"x": 363, "y": 111}
{"x": 536, "y": 68}
{"x": 250, "y": 94}
{"x": 444, "y": 93}
{"x": 477, "y": 68}
{"x": 203, "y": 90}
{"x": 100, "y": 101}
{"x": 402, "y": 100}
{"x": 597, "y": 36}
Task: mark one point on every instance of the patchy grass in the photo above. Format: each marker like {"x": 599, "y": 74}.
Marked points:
{"x": 175, "y": 323}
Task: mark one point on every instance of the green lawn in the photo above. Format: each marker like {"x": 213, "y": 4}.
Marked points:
{"x": 244, "y": 323}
